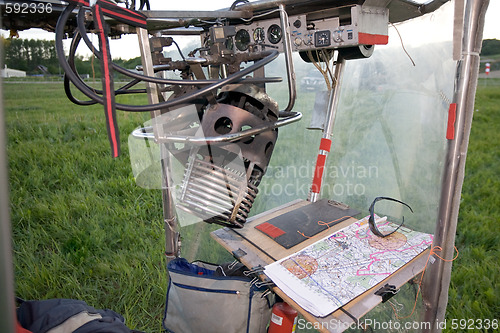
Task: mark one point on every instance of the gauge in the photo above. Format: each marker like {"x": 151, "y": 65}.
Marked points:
{"x": 322, "y": 38}
{"x": 274, "y": 34}
{"x": 337, "y": 36}
{"x": 259, "y": 35}
{"x": 242, "y": 39}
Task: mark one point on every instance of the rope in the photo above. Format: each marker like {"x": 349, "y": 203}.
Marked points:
{"x": 433, "y": 251}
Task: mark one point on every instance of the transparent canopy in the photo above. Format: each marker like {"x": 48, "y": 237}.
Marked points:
{"x": 389, "y": 136}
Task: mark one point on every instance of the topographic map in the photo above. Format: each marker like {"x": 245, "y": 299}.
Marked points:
{"x": 331, "y": 272}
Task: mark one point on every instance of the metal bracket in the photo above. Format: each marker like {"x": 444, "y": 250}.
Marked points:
{"x": 386, "y": 292}
{"x": 239, "y": 253}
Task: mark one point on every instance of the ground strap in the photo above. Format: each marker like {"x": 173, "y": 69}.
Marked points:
{"x": 100, "y": 9}
{"x": 108, "y": 91}
{"x": 128, "y": 16}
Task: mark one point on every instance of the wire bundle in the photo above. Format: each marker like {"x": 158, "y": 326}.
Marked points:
{"x": 96, "y": 96}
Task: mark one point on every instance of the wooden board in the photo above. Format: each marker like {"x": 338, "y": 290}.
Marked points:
{"x": 256, "y": 249}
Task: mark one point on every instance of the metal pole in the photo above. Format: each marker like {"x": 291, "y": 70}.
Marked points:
{"x": 438, "y": 274}
{"x": 172, "y": 235}
{"x": 325, "y": 145}
{"x": 7, "y": 306}
{"x": 287, "y": 47}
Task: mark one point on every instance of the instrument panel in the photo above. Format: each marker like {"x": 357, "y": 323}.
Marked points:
{"x": 263, "y": 35}
{"x": 311, "y": 34}
{"x": 258, "y": 36}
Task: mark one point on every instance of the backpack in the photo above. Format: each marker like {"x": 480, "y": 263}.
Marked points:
{"x": 68, "y": 315}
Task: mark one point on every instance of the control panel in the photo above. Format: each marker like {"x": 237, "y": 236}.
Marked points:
{"x": 367, "y": 26}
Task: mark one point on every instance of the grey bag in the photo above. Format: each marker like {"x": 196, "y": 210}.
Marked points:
{"x": 201, "y": 300}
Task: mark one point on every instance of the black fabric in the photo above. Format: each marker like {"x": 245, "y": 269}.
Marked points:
{"x": 41, "y": 316}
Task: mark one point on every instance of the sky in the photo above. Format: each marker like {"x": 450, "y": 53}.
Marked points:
{"x": 122, "y": 47}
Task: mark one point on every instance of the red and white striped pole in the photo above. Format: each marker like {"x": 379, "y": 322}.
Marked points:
{"x": 326, "y": 142}
{"x": 487, "y": 70}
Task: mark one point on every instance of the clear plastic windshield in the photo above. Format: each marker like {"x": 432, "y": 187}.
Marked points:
{"x": 390, "y": 132}
{"x": 388, "y": 138}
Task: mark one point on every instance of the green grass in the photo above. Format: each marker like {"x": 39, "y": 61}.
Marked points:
{"x": 82, "y": 228}
{"x": 474, "y": 290}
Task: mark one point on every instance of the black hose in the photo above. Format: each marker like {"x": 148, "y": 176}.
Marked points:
{"x": 67, "y": 88}
{"x": 71, "y": 97}
{"x": 144, "y": 108}
{"x": 145, "y": 2}
{"x": 123, "y": 90}
{"x": 124, "y": 71}
{"x": 71, "y": 61}
{"x": 179, "y": 49}
{"x": 126, "y": 88}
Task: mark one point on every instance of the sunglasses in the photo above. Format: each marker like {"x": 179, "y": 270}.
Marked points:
{"x": 371, "y": 220}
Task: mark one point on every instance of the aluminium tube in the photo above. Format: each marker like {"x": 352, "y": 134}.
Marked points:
{"x": 146, "y": 133}
{"x": 172, "y": 235}
{"x": 438, "y": 275}
{"x": 333, "y": 103}
{"x": 287, "y": 47}
{"x": 7, "y": 306}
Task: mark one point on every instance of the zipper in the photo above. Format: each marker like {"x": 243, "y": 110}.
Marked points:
{"x": 218, "y": 291}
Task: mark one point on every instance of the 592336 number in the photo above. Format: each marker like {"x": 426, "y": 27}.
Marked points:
{"x": 474, "y": 324}
{"x": 28, "y": 8}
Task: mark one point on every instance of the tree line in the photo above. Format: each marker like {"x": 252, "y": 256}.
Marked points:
{"x": 490, "y": 52}
{"x": 28, "y": 54}
{"x": 490, "y": 47}
{"x": 36, "y": 56}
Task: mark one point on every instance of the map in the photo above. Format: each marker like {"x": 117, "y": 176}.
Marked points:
{"x": 331, "y": 272}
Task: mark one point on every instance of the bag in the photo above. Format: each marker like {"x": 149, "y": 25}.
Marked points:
{"x": 68, "y": 315}
{"x": 203, "y": 297}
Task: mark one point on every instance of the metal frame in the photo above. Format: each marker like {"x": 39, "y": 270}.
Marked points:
{"x": 438, "y": 275}
{"x": 195, "y": 140}
{"x": 435, "y": 293}
{"x": 7, "y": 309}
{"x": 172, "y": 235}
{"x": 437, "y": 278}
{"x": 333, "y": 102}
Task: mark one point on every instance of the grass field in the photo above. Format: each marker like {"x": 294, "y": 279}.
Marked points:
{"x": 82, "y": 228}
{"x": 475, "y": 285}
